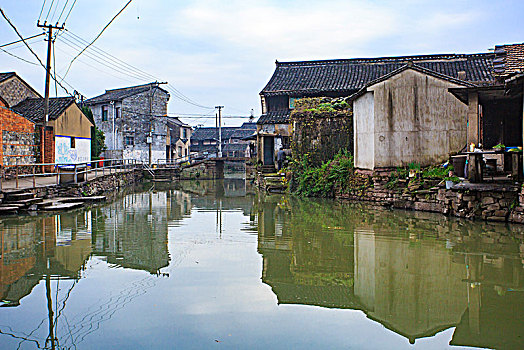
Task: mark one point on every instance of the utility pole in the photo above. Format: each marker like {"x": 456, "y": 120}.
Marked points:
{"x": 219, "y": 155}
{"x": 50, "y": 28}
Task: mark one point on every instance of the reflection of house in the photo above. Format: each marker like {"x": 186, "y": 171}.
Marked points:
{"x": 339, "y": 78}
{"x": 235, "y": 140}
{"x": 132, "y": 119}
{"x": 68, "y": 135}
{"x": 407, "y": 116}
{"x": 179, "y": 139}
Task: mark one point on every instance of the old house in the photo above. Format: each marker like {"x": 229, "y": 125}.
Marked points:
{"x": 204, "y": 140}
{"x": 133, "y": 120}
{"x": 179, "y": 139}
{"x": 19, "y": 141}
{"x": 14, "y": 89}
{"x": 68, "y": 133}
{"x": 407, "y": 116}
{"x": 341, "y": 78}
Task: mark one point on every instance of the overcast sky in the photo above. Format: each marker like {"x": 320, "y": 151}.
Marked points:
{"x": 224, "y": 52}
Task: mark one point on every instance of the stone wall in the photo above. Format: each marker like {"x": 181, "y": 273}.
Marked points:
{"x": 321, "y": 137}
{"x": 491, "y": 202}
{"x": 18, "y": 141}
{"x": 14, "y": 91}
{"x": 206, "y": 170}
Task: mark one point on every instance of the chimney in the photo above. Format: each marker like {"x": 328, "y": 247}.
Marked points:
{"x": 461, "y": 75}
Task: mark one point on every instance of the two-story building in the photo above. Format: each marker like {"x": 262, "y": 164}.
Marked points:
{"x": 179, "y": 142}
{"x": 133, "y": 120}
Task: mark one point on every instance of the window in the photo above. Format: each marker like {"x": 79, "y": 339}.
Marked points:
{"x": 73, "y": 142}
{"x": 117, "y": 112}
{"x": 264, "y": 106}
{"x": 105, "y": 112}
{"x": 292, "y": 101}
{"x": 184, "y": 133}
{"x": 179, "y": 151}
{"x": 129, "y": 140}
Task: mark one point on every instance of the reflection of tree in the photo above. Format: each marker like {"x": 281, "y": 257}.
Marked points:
{"x": 415, "y": 273}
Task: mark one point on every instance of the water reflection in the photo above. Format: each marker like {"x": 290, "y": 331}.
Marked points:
{"x": 416, "y": 274}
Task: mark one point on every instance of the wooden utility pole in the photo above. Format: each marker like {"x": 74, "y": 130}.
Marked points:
{"x": 219, "y": 116}
{"x": 50, "y": 28}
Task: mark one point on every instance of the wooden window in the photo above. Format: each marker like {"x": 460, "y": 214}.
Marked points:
{"x": 264, "y": 106}
{"x": 117, "y": 112}
{"x": 105, "y": 113}
{"x": 129, "y": 140}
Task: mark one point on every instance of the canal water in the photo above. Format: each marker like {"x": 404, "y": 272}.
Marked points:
{"x": 214, "y": 265}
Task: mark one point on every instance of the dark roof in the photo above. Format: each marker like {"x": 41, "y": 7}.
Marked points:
{"x": 211, "y": 133}
{"x": 33, "y": 108}
{"x": 242, "y": 133}
{"x": 249, "y": 125}
{"x": 276, "y": 117}
{"x": 234, "y": 147}
{"x": 413, "y": 67}
{"x": 509, "y": 59}
{"x": 349, "y": 75}
{"x": 171, "y": 121}
{"x": 7, "y": 75}
{"x": 121, "y": 93}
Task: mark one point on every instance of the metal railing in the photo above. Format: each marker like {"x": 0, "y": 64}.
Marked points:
{"x": 38, "y": 174}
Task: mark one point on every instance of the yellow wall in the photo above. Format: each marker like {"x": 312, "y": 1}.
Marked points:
{"x": 72, "y": 123}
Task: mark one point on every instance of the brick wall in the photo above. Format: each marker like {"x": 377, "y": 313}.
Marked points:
{"x": 14, "y": 91}
{"x": 17, "y": 137}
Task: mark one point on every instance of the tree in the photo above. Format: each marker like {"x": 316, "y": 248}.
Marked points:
{"x": 97, "y": 136}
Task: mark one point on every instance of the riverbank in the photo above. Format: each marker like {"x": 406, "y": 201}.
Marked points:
{"x": 29, "y": 197}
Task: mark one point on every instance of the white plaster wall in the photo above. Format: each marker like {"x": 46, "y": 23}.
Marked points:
{"x": 363, "y": 129}
{"x": 416, "y": 120}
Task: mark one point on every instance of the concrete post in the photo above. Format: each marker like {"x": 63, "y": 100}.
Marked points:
{"x": 473, "y": 118}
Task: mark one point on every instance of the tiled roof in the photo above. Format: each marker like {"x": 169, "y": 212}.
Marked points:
{"x": 236, "y": 147}
{"x": 7, "y": 75}
{"x": 276, "y": 117}
{"x": 171, "y": 121}
{"x": 249, "y": 125}
{"x": 208, "y": 133}
{"x": 349, "y": 75}
{"x": 241, "y": 133}
{"x": 509, "y": 59}
{"x": 33, "y": 108}
{"x": 120, "y": 94}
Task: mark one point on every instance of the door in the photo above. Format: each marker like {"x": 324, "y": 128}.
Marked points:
{"x": 269, "y": 150}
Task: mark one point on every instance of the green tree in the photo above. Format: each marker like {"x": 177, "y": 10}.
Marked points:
{"x": 97, "y": 136}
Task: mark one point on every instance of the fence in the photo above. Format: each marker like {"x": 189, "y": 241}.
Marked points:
{"x": 50, "y": 173}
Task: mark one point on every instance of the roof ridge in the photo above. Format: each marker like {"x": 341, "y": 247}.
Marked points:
{"x": 384, "y": 59}
{"x": 129, "y": 87}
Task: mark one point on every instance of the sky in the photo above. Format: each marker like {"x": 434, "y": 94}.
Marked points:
{"x": 223, "y": 52}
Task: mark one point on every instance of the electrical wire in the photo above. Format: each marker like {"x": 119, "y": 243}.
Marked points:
{"x": 20, "y": 58}
{"x": 41, "y": 10}
{"x": 98, "y": 36}
{"x": 48, "y": 12}
{"x": 34, "y": 53}
{"x": 54, "y": 12}
{"x": 71, "y": 9}
{"x": 62, "y": 12}
{"x": 18, "y": 41}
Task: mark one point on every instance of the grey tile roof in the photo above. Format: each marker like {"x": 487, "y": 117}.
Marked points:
{"x": 349, "y": 75}
{"x": 33, "y": 108}
{"x": 241, "y": 133}
{"x": 236, "y": 147}
{"x": 120, "y": 94}
{"x": 275, "y": 117}
{"x": 208, "y": 133}
{"x": 7, "y": 75}
{"x": 509, "y": 59}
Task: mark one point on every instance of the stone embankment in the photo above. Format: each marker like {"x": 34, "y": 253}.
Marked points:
{"x": 503, "y": 202}
{"x": 68, "y": 196}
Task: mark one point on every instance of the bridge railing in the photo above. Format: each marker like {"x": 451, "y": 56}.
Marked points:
{"x": 41, "y": 174}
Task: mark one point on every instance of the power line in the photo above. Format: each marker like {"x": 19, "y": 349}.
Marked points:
{"x": 61, "y": 13}
{"x": 48, "y": 12}
{"x": 71, "y": 9}
{"x": 30, "y": 49}
{"x": 18, "y": 41}
{"x": 98, "y": 36}
{"x": 20, "y": 58}
{"x": 41, "y": 10}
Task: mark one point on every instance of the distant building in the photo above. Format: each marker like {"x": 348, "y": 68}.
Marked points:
{"x": 132, "y": 119}
{"x": 235, "y": 140}
{"x": 179, "y": 139}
